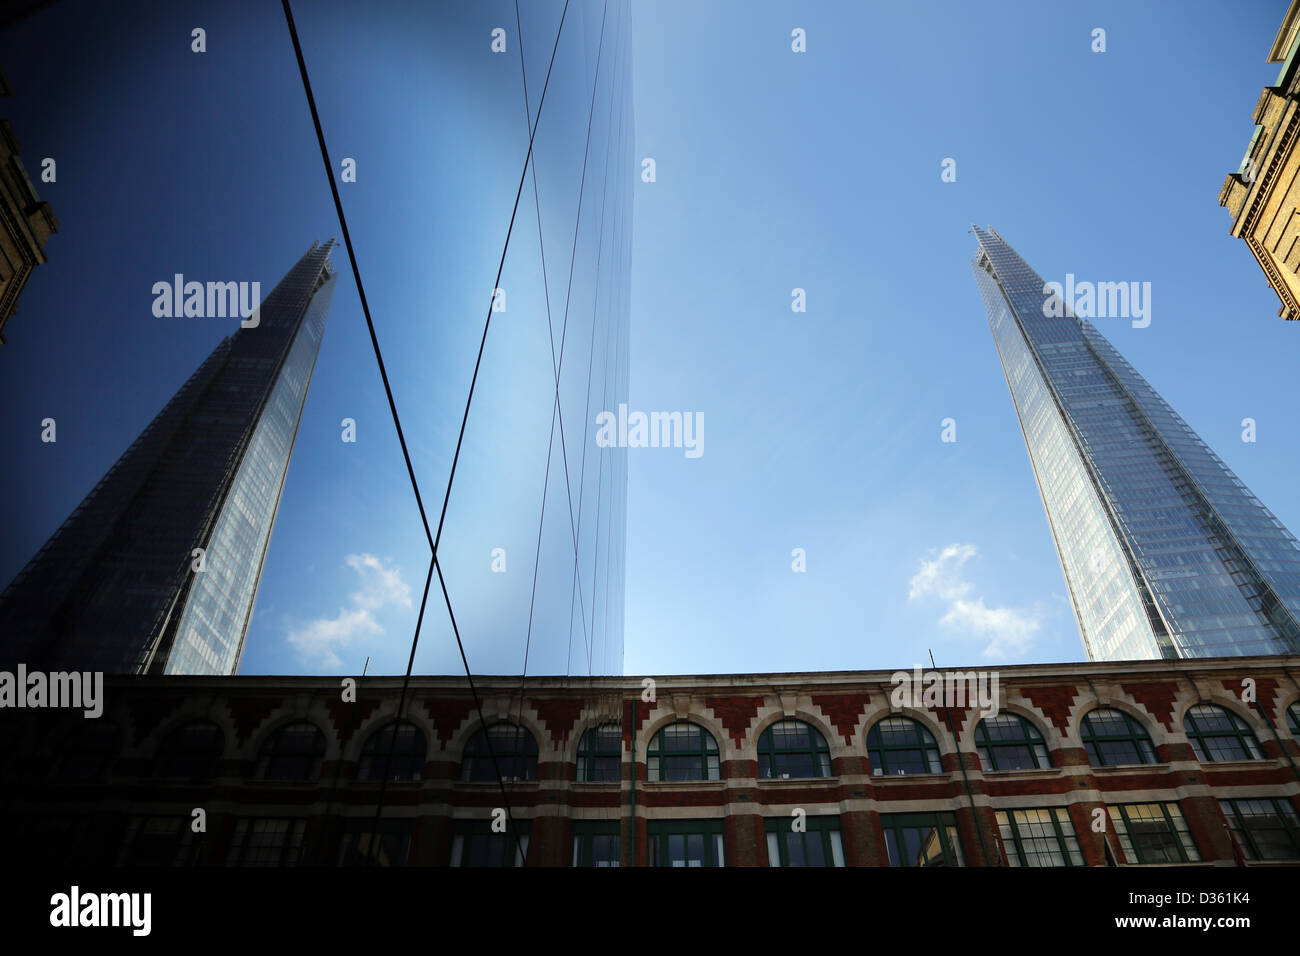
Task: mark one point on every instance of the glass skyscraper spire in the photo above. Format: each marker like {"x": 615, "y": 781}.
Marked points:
{"x": 1165, "y": 552}
{"x": 156, "y": 571}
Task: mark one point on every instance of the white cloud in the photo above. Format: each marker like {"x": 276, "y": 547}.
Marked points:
{"x": 379, "y": 585}
{"x": 1010, "y": 630}
{"x": 319, "y": 640}
{"x": 941, "y": 576}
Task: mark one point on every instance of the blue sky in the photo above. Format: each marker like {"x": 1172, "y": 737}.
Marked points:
{"x": 775, "y": 171}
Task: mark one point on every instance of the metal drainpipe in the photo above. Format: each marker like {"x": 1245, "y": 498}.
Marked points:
{"x": 1264, "y": 717}
{"x": 956, "y": 744}
{"x": 634, "y": 781}
{"x": 975, "y": 817}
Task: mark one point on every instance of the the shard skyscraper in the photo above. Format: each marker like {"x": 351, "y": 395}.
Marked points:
{"x": 156, "y": 571}
{"x": 1165, "y": 552}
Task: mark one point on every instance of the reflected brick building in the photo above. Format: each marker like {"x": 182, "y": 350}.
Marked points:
{"x": 1133, "y": 763}
{"x": 27, "y": 221}
{"x": 1263, "y": 195}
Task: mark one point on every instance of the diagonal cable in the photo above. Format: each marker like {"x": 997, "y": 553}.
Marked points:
{"x": 356, "y": 272}
{"x": 434, "y": 539}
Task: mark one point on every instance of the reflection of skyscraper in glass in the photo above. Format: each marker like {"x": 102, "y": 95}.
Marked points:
{"x": 1165, "y": 552}
{"x": 116, "y": 588}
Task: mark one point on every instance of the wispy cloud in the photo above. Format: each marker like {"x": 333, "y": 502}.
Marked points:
{"x": 379, "y": 585}
{"x": 942, "y": 575}
{"x": 1010, "y": 631}
{"x": 318, "y": 641}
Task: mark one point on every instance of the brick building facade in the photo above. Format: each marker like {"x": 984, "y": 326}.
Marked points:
{"x": 1263, "y": 195}
{"x": 1084, "y": 764}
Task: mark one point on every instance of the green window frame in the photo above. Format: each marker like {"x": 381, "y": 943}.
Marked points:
{"x": 922, "y": 839}
{"x": 1153, "y": 833}
{"x": 267, "y": 841}
{"x": 1010, "y": 742}
{"x": 1040, "y": 836}
{"x": 1217, "y": 734}
{"x": 293, "y": 752}
{"x": 363, "y": 843}
{"x": 596, "y": 843}
{"x": 409, "y": 750}
{"x": 473, "y": 843}
{"x": 1113, "y": 738}
{"x": 820, "y": 843}
{"x": 513, "y": 751}
{"x": 793, "y": 749}
{"x": 901, "y": 745}
{"x": 688, "y": 843}
{"x": 1267, "y": 828}
{"x": 600, "y": 754}
{"x": 682, "y": 751}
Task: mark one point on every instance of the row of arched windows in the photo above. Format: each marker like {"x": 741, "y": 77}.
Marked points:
{"x": 680, "y": 751}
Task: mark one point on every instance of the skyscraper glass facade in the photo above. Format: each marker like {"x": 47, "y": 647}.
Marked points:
{"x": 122, "y": 586}
{"x": 1165, "y": 552}
{"x": 533, "y": 545}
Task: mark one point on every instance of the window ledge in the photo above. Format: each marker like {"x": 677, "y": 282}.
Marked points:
{"x": 493, "y": 784}
{"x": 374, "y": 784}
{"x": 898, "y": 777}
{"x": 1166, "y": 866}
{"x": 1027, "y": 772}
{"x": 297, "y": 784}
{"x": 1132, "y": 768}
{"x": 1291, "y": 862}
{"x": 685, "y": 784}
{"x": 1271, "y": 762}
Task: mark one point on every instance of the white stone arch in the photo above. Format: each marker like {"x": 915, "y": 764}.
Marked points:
{"x": 277, "y": 722}
{"x": 383, "y": 716}
{"x": 183, "y": 716}
{"x": 1229, "y": 703}
{"x": 456, "y": 746}
{"x": 652, "y": 727}
{"x": 1285, "y": 703}
{"x": 1153, "y": 728}
{"x": 1016, "y": 709}
{"x": 1055, "y": 738}
{"x": 581, "y": 726}
{"x": 936, "y": 728}
{"x": 816, "y": 721}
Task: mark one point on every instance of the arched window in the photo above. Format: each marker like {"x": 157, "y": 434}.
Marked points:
{"x": 683, "y": 751}
{"x": 1293, "y": 718}
{"x": 89, "y": 751}
{"x": 294, "y": 752}
{"x": 1219, "y": 734}
{"x": 408, "y": 753}
{"x": 600, "y": 754}
{"x": 190, "y": 752}
{"x": 901, "y": 745}
{"x": 1009, "y": 742}
{"x": 1113, "y": 739}
{"x": 513, "y": 748}
{"x": 792, "y": 748}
